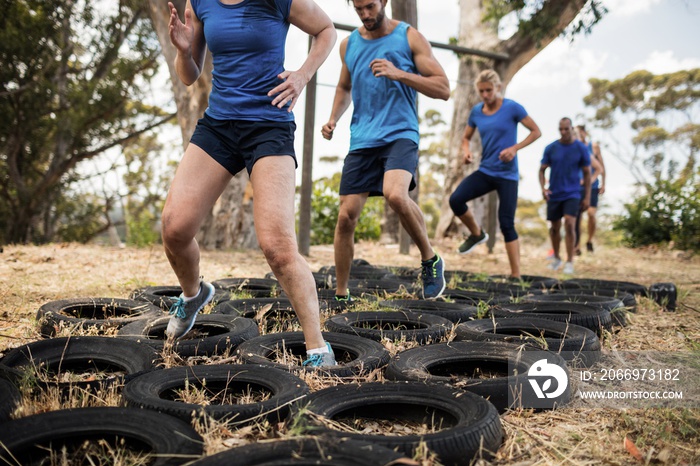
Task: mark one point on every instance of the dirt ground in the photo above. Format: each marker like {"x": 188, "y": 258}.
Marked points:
{"x": 33, "y": 275}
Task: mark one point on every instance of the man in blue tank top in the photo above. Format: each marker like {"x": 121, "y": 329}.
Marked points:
{"x": 565, "y": 158}
{"x": 248, "y": 125}
{"x": 385, "y": 63}
{"x": 597, "y": 188}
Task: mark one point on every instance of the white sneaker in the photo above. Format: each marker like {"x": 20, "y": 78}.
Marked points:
{"x": 554, "y": 263}
{"x": 568, "y": 268}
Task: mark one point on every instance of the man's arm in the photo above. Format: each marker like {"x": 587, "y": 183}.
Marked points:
{"x": 586, "y": 201}
{"x": 343, "y": 95}
{"x": 431, "y": 79}
{"x": 546, "y": 193}
{"x": 599, "y": 157}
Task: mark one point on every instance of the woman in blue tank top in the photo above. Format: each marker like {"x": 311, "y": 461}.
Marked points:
{"x": 497, "y": 120}
{"x": 248, "y": 124}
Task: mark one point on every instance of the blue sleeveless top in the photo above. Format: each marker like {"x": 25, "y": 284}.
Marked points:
{"x": 383, "y": 110}
{"x": 247, "y": 43}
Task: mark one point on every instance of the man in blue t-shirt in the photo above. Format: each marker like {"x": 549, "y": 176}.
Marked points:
{"x": 565, "y": 158}
{"x": 385, "y": 63}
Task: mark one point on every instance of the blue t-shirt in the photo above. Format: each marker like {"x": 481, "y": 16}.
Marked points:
{"x": 498, "y": 131}
{"x": 565, "y": 163}
{"x": 247, "y": 43}
{"x": 596, "y": 183}
{"x": 384, "y": 110}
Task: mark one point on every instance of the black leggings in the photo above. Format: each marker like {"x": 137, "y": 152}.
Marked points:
{"x": 479, "y": 183}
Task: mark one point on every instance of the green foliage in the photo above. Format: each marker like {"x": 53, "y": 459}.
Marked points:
{"x": 73, "y": 85}
{"x": 531, "y": 220}
{"x": 325, "y": 203}
{"x": 538, "y": 19}
{"x": 82, "y": 217}
{"x": 661, "y": 110}
{"x": 667, "y": 212}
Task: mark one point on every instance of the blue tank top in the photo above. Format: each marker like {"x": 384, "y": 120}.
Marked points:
{"x": 498, "y": 131}
{"x": 383, "y": 110}
{"x": 247, "y": 43}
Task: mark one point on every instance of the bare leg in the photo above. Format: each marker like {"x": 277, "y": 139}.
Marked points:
{"x": 513, "y": 250}
{"x": 555, "y": 236}
{"x": 198, "y": 183}
{"x": 344, "y": 240}
{"x": 570, "y": 228}
{"x": 273, "y": 210}
{"x": 470, "y": 222}
{"x": 592, "y": 223}
{"x": 396, "y": 183}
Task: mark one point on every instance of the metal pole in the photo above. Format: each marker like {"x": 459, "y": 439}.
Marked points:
{"x": 304, "y": 236}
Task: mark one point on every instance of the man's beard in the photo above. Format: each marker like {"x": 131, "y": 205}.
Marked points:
{"x": 376, "y": 23}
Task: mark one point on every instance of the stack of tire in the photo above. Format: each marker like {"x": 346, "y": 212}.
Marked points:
{"x": 470, "y": 351}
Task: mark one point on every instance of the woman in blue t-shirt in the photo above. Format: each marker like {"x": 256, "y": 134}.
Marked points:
{"x": 497, "y": 120}
{"x": 248, "y": 125}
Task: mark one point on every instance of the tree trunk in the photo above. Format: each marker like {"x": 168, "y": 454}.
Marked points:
{"x": 230, "y": 224}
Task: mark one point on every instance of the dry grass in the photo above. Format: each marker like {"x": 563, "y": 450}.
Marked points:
{"x": 576, "y": 435}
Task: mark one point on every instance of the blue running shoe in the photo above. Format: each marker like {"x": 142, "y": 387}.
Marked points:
{"x": 184, "y": 312}
{"x": 433, "y": 276}
{"x": 321, "y": 359}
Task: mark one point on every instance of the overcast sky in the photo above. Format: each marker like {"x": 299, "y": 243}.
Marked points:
{"x": 657, "y": 35}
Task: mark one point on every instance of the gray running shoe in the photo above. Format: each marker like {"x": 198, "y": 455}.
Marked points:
{"x": 472, "y": 241}
{"x": 321, "y": 359}
{"x": 184, "y": 312}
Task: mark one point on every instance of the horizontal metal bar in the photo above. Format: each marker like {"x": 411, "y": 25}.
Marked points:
{"x": 452, "y": 47}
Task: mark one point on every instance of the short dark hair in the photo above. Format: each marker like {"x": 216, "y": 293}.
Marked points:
{"x": 568, "y": 119}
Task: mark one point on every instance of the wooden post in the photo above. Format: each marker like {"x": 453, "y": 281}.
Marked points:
{"x": 304, "y": 235}
{"x": 492, "y": 225}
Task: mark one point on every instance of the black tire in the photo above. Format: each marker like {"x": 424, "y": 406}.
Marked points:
{"x": 157, "y": 390}
{"x": 629, "y": 301}
{"x": 423, "y": 328}
{"x": 510, "y": 289}
{"x": 531, "y": 281}
{"x": 454, "y": 312}
{"x": 305, "y": 451}
{"x": 355, "y": 355}
{"x": 362, "y": 272}
{"x": 476, "y": 297}
{"x": 612, "y": 305}
{"x": 252, "y": 306}
{"x": 379, "y": 286}
{"x": 590, "y": 317}
{"x": 211, "y": 334}
{"x": 27, "y": 441}
{"x": 165, "y": 296}
{"x": 479, "y": 367}
{"x": 590, "y": 283}
{"x": 578, "y": 345}
{"x": 473, "y": 426}
{"x": 112, "y": 357}
{"x": 84, "y": 313}
{"x": 256, "y": 287}
{"x": 9, "y": 398}
{"x": 271, "y": 314}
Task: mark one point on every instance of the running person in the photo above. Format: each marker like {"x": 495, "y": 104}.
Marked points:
{"x": 565, "y": 158}
{"x": 384, "y": 64}
{"x": 597, "y": 188}
{"x": 497, "y": 120}
{"x": 248, "y": 124}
